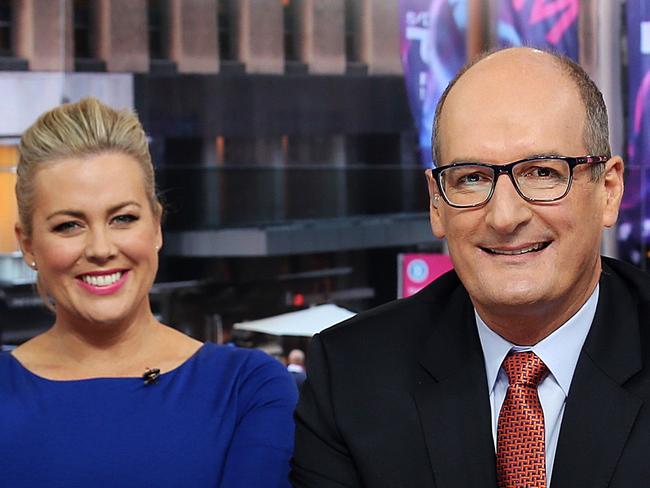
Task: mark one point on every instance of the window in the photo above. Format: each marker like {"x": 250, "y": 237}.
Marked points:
{"x": 290, "y": 53}
{"x": 8, "y": 211}
{"x": 6, "y": 18}
{"x": 351, "y": 51}
{"x": 225, "y": 30}
{"x": 157, "y": 27}
{"x": 83, "y": 32}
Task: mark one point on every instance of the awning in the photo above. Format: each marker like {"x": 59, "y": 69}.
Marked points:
{"x": 303, "y": 323}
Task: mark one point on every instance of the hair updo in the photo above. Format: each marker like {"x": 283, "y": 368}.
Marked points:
{"x": 77, "y": 130}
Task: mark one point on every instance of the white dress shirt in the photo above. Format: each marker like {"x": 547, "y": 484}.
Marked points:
{"x": 295, "y": 368}
{"x": 559, "y": 351}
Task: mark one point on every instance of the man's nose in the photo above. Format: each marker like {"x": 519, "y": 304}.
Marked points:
{"x": 506, "y": 210}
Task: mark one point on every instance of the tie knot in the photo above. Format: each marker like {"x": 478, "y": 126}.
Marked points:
{"x": 524, "y": 369}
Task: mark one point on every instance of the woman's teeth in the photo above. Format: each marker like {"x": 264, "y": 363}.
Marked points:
{"x": 102, "y": 280}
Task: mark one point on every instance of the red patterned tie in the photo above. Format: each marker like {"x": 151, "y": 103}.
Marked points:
{"x": 521, "y": 460}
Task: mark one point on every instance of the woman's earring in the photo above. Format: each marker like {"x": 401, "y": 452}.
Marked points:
{"x": 33, "y": 265}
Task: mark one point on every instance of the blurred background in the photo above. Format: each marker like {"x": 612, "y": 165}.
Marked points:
{"x": 290, "y": 137}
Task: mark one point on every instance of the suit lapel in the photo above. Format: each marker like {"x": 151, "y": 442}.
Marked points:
{"x": 599, "y": 412}
{"x": 452, "y": 400}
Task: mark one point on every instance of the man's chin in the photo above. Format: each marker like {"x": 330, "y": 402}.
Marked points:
{"x": 509, "y": 294}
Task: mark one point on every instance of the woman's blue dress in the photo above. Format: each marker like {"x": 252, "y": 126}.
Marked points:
{"x": 221, "y": 419}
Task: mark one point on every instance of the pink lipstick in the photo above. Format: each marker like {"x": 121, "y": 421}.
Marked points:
{"x": 103, "y": 282}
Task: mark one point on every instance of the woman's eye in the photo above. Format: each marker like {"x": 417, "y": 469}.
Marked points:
{"x": 125, "y": 219}
{"x": 66, "y": 227}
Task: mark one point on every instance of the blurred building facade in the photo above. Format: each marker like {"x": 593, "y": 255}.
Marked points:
{"x": 280, "y": 129}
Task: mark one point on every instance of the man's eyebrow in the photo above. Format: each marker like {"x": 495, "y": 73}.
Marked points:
{"x": 466, "y": 160}
{"x": 79, "y": 214}
{"x": 546, "y": 154}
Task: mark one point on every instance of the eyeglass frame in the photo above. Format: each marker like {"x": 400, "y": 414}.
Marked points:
{"x": 499, "y": 169}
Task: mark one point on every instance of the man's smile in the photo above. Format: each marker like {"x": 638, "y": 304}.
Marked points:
{"x": 517, "y": 250}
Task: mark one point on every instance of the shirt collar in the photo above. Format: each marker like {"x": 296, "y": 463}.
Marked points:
{"x": 559, "y": 351}
{"x": 295, "y": 368}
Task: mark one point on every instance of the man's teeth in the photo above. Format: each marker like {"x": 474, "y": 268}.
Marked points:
{"x": 102, "y": 280}
{"x": 534, "y": 247}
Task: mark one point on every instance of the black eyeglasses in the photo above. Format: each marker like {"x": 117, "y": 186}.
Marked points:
{"x": 541, "y": 179}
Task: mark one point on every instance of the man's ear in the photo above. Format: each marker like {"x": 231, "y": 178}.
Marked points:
{"x": 435, "y": 201}
{"x": 612, "y": 180}
{"x": 25, "y": 243}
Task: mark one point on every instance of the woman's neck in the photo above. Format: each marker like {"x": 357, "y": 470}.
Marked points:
{"x": 103, "y": 349}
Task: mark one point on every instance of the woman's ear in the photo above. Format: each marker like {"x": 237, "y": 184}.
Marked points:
{"x": 25, "y": 243}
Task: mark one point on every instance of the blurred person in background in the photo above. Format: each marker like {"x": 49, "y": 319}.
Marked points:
{"x": 109, "y": 396}
{"x": 296, "y": 366}
{"x": 528, "y": 364}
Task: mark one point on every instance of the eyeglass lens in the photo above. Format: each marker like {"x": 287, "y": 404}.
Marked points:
{"x": 539, "y": 179}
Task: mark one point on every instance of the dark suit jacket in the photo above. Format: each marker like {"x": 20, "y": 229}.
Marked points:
{"x": 397, "y": 396}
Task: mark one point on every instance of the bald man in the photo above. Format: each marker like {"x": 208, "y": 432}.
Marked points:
{"x": 296, "y": 366}
{"x": 526, "y": 365}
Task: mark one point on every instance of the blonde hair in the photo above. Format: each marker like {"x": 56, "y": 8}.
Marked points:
{"x": 77, "y": 130}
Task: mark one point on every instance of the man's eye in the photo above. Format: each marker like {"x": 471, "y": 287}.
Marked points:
{"x": 66, "y": 227}
{"x": 472, "y": 179}
{"x": 125, "y": 219}
{"x": 542, "y": 172}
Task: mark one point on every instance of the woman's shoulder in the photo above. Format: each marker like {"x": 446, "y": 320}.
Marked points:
{"x": 241, "y": 359}
{"x": 24, "y": 358}
{"x": 5, "y": 359}
{"x": 12, "y": 372}
{"x": 244, "y": 369}
{"x": 32, "y": 352}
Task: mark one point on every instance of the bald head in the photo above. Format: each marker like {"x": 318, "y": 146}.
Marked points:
{"x": 506, "y": 79}
{"x": 296, "y": 356}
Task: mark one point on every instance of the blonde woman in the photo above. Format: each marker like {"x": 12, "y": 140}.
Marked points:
{"x": 109, "y": 396}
